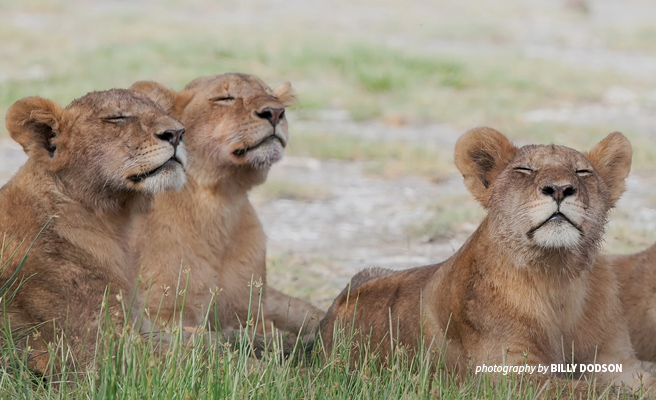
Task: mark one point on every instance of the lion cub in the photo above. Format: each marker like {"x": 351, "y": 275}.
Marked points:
{"x": 637, "y": 277}
{"x": 524, "y": 288}
{"x": 205, "y": 245}
{"x": 91, "y": 167}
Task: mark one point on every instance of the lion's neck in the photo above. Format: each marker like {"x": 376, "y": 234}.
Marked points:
{"x": 109, "y": 234}
{"x": 226, "y": 180}
{"x": 228, "y": 207}
{"x": 536, "y": 288}
{"x": 216, "y": 191}
{"x": 512, "y": 258}
{"x": 80, "y": 221}
{"x": 102, "y": 199}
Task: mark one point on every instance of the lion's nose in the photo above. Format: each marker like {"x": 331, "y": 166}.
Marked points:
{"x": 273, "y": 114}
{"x": 173, "y": 136}
{"x": 558, "y": 192}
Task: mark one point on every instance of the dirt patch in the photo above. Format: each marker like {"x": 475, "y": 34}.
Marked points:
{"x": 363, "y": 222}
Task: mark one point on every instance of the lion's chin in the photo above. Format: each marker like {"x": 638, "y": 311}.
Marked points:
{"x": 557, "y": 234}
{"x": 264, "y": 156}
{"x": 170, "y": 177}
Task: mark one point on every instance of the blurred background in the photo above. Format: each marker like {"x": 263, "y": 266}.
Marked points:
{"x": 386, "y": 87}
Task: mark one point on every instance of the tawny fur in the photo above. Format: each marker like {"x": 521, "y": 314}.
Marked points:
{"x": 208, "y": 239}
{"x": 637, "y": 277}
{"x": 80, "y": 176}
{"x": 526, "y": 287}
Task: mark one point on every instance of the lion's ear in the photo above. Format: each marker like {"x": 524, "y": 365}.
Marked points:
{"x": 480, "y": 155}
{"x": 611, "y": 159}
{"x": 34, "y": 123}
{"x": 158, "y": 93}
{"x": 285, "y": 94}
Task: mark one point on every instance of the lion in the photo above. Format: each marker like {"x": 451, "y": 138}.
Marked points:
{"x": 527, "y": 286}
{"x": 637, "y": 277}
{"x": 202, "y": 251}
{"x": 92, "y": 167}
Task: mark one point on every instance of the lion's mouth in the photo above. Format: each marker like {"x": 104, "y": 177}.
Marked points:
{"x": 141, "y": 177}
{"x": 555, "y": 217}
{"x": 273, "y": 136}
{"x": 558, "y": 217}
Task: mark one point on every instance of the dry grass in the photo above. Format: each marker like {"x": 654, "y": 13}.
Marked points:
{"x": 281, "y": 189}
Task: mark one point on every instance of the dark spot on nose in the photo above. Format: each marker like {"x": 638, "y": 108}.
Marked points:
{"x": 272, "y": 114}
{"x": 173, "y": 136}
{"x": 558, "y": 192}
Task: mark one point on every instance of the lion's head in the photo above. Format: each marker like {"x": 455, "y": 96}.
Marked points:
{"x": 544, "y": 199}
{"x": 237, "y": 124}
{"x": 103, "y": 146}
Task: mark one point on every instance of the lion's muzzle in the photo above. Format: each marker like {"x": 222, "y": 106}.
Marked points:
{"x": 272, "y": 114}
{"x": 558, "y": 192}
{"x": 173, "y": 136}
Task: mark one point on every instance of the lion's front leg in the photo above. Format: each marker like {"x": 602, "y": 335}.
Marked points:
{"x": 634, "y": 375}
{"x": 291, "y": 314}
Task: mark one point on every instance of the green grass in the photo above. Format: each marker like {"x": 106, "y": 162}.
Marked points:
{"x": 361, "y": 72}
{"x": 368, "y": 80}
{"x": 131, "y": 367}
{"x": 384, "y": 158}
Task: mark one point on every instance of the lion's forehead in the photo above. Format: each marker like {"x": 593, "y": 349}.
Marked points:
{"x": 85, "y": 117}
{"x": 237, "y": 85}
{"x": 541, "y": 157}
{"x": 115, "y": 101}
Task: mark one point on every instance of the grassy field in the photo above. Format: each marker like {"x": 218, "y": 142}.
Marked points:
{"x": 134, "y": 367}
{"x": 509, "y": 64}
{"x": 206, "y": 366}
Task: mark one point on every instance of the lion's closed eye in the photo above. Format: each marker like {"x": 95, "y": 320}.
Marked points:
{"x": 524, "y": 170}
{"x": 222, "y": 99}
{"x": 114, "y": 119}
